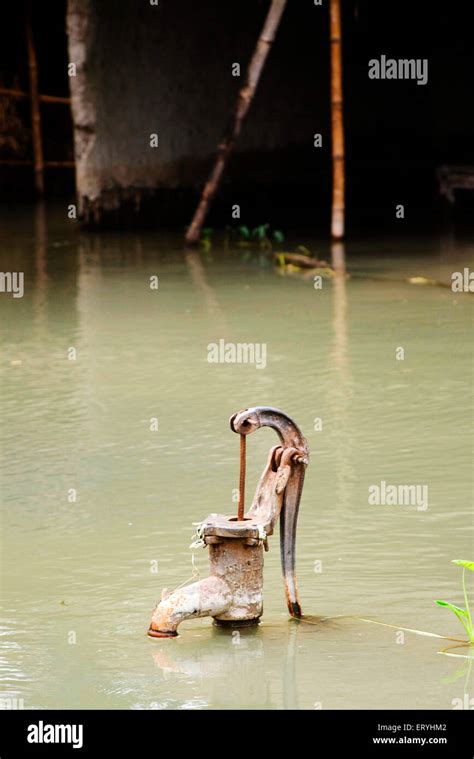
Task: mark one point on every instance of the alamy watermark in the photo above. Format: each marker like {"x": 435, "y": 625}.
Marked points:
{"x": 463, "y": 703}
{"x": 11, "y": 702}
{"x": 401, "y": 68}
{"x": 42, "y": 732}
{"x": 462, "y": 281}
{"x": 12, "y": 282}
{"x": 237, "y": 353}
{"x": 399, "y": 495}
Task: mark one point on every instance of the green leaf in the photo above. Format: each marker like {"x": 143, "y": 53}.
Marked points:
{"x": 456, "y": 609}
{"x": 462, "y": 563}
{"x": 278, "y": 236}
{"x": 260, "y": 232}
{"x": 244, "y": 232}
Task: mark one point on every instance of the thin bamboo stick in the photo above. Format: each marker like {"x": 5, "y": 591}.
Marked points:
{"x": 14, "y": 162}
{"x": 338, "y": 203}
{"x": 60, "y": 164}
{"x": 29, "y": 162}
{"x": 35, "y": 105}
{"x": 55, "y": 99}
{"x": 5, "y": 91}
{"x": 13, "y": 93}
{"x": 244, "y": 99}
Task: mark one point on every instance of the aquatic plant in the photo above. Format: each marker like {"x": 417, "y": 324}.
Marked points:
{"x": 246, "y": 237}
{"x": 464, "y": 615}
{"x": 262, "y": 233}
{"x": 205, "y": 239}
{"x": 244, "y": 232}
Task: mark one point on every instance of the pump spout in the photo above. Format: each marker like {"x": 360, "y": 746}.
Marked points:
{"x": 249, "y": 420}
{"x": 207, "y": 598}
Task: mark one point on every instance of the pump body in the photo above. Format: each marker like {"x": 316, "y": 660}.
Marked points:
{"x": 233, "y": 592}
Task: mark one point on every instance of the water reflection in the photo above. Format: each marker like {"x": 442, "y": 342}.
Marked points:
{"x": 341, "y": 389}
{"x": 39, "y": 292}
{"x": 232, "y": 668}
{"x": 84, "y": 424}
{"x": 338, "y": 257}
{"x": 200, "y": 279}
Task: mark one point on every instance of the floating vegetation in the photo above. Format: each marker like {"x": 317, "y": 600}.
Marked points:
{"x": 262, "y": 236}
{"x": 205, "y": 239}
{"x": 422, "y": 281}
{"x": 300, "y": 258}
{"x": 301, "y": 261}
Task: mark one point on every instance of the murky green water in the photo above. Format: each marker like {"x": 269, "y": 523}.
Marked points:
{"x": 81, "y": 571}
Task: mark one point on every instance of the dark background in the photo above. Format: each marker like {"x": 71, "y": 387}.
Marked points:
{"x": 397, "y": 132}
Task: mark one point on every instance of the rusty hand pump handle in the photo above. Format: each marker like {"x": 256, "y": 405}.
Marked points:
{"x": 243, "y": 423}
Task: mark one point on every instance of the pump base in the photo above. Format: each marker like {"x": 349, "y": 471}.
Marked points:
{"x": 235, "y": 623}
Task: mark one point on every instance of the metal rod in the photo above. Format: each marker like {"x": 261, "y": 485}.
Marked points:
{"x": 240, "y": 513}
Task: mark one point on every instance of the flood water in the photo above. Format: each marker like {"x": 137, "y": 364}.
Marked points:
{"x": 82, "y": 570}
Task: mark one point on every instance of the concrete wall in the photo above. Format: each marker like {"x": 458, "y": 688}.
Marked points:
{"x": 166, "y": 69}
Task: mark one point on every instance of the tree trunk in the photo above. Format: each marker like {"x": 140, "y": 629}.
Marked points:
{"x": 338, "y": 205}
{"x": 242, "y": 105}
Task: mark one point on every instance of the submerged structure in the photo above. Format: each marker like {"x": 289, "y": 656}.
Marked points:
{"x": 152, "y": 86}
{"x": 233, "y": 593}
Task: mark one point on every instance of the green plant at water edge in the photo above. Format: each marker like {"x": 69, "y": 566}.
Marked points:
{"x": 246, "y": 237}
{"x": 262, "y": 234}
{"x": 244, "y": 232}
{"x": 464, "y": 615}
{"x": 205, "y": 239}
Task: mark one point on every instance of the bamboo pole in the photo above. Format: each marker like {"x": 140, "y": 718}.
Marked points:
{"x": 13, "y": 93}
{"x": 244, "y": 100}
{"x": 7, "y": 92}
{"x": 338, "y": 179}
{"x": 29, "y": 162}
{"x": 55, "y": 99}
{"x": 35, "y": 105}
{"x": 338, "y": 257}
{"x": 15, "y": 162}
{"x": 60, "y": 164}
